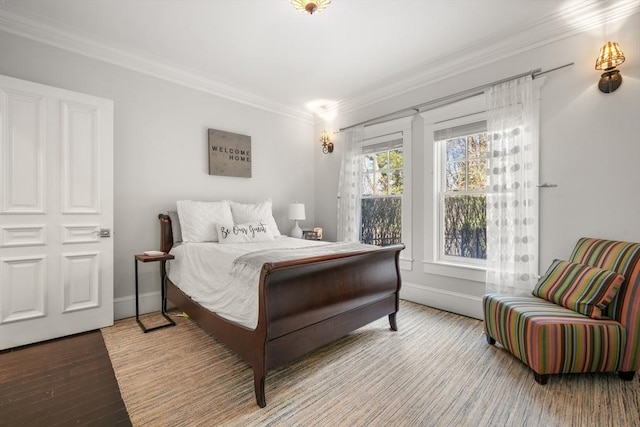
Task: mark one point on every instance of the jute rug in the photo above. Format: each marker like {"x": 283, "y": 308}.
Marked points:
{"x": 437, "y": 370}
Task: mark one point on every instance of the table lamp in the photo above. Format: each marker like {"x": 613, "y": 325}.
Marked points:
{"x": 296, "y": 213}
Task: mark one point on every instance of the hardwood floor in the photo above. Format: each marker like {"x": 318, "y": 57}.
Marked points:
{"x": 68, "y": 381}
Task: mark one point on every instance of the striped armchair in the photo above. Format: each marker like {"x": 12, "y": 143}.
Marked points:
{"x": 553, "y": 339}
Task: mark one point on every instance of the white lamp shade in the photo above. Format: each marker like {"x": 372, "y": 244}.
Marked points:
{"x": 296, "y": 211}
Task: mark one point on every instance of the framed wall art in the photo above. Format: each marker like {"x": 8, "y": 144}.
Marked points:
{"x": 229, "y": 154}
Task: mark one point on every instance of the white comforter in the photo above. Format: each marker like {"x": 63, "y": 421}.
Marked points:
{"x": 207, "y": 272}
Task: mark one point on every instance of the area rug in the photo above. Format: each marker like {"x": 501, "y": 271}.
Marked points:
{"x": 437, "y": 370}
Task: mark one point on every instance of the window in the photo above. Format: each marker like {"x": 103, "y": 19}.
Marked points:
{"x": 461, "y": 188}
{"x": 454, "y": 200}
{"x": 382, "y": 190}
{"x": 374, "y": 204}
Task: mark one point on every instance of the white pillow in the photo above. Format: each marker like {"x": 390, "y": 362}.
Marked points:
{"x": 198, "y": 220}
{"x": 244, "y": 233}
{"x": 252, "y": 212}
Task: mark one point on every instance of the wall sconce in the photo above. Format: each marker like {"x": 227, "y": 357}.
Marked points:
{"x": 610, "y": 57}
{"x": 327, "y": 145}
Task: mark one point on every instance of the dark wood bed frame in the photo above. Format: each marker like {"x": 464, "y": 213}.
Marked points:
{"x": 303, "y": 305}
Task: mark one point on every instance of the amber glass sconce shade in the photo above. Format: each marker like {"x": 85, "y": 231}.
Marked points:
{"x": 610, "y": 57}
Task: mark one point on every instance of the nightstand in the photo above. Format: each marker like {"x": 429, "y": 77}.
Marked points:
{"x": 163, "y": 308}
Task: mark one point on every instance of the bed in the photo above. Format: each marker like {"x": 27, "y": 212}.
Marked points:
{"x": 303, "y": 304}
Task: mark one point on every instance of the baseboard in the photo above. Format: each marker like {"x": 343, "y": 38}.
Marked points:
{"x": 455, "y": 302}
{"x": 126, "y": 306}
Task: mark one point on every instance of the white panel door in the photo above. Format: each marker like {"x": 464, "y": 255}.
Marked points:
{"x": 56, "y": 212}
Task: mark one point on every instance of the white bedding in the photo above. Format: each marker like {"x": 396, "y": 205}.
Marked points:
{"x": 206, "y": 272}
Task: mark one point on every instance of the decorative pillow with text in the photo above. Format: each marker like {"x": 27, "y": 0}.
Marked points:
{"x": 245, "y": 233}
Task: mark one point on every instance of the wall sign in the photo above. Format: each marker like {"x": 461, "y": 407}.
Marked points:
{"x": 229, "y": 154}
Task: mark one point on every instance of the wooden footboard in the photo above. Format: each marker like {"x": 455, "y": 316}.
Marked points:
{"x": 303, "y": 305}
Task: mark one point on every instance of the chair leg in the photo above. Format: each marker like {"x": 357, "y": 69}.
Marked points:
{"x": 490, "y": 340}
{"x": 540, "y": 378}
{"x": 626, "y": 376}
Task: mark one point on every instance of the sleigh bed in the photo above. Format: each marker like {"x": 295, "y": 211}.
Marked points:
{"x": 303, "y": 304}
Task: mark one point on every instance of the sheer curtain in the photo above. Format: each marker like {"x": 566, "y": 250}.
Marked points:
{"x": 350, "y": 186}
{"x": 512, "y": 199}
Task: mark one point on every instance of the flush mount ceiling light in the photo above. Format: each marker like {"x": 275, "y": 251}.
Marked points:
{"x": 326, "y": 109}
{"x": 310, "y": 6}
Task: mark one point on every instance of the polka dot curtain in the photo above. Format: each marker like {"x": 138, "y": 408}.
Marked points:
{"x": 512, "y": 199}
{"x": 349, "y": 186}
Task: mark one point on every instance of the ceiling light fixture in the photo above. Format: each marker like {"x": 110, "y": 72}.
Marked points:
{"x": 310, "y": 6}
{"x": 610, "y": 57}
{"x": 326, "y": 109}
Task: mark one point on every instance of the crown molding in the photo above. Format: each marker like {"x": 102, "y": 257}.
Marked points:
{"x": 565, "y": 23}
{"x": 140, "y": 62}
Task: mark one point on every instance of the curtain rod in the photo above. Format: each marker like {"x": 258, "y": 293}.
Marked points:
{"x": 449, "y": 99}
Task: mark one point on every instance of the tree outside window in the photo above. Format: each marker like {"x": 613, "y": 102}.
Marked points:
{"x": 463, "y": 197}
{"x": 382, "y": 187}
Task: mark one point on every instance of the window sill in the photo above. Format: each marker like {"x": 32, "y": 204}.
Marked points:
{"x": 474, "y": 274}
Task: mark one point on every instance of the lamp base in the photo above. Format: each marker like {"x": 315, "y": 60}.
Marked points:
{"x": 610, "y": 81}
{"x": 296, "y": 231}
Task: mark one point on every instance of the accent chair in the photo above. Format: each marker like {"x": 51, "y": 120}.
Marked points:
{"x": 583, "y": 316}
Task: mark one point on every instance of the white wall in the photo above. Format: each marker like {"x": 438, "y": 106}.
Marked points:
{"x": 161, "y": 151}
{"x": 590, "y": 148}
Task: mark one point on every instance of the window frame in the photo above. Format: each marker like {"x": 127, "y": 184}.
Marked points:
{"x": 375, "y": 150}
{"x": 387, "y": 132}
{"x": 459, "y": 113}
{"x": 441, "y": 193}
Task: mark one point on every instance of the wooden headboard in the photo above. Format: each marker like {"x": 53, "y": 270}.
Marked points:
{"x": 166, "y": 233}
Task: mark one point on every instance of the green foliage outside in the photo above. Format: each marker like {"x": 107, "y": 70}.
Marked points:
{"x": 382, "y": 179}
{"x": 381, "y": 221}
{"x": 465, "y": 198}
{"x": 465, "y": 226}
